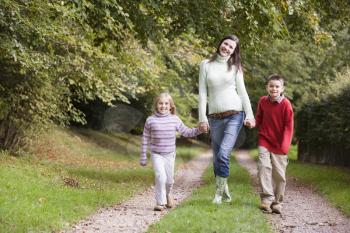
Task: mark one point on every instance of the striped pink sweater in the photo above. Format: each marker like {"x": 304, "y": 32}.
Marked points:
{"x": 159, "y": 134}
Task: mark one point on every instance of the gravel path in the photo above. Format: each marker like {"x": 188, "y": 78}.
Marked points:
{"x": 136, "y": 214}
{"x": 304, "y": 211}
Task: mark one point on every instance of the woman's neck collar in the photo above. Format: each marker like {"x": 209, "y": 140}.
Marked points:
{"x": 221, "y": 59}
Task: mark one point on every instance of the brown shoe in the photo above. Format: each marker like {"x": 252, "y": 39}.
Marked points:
{"x": 276, "y": 208}
{"x": 265, "y": 207}
{"x": 169, "y": 201}
{"x": 159, "y": 208}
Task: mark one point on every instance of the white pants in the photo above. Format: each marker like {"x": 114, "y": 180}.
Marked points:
{"x": 163, "y": 166}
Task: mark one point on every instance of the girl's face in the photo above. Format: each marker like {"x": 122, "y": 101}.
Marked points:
{"x": 227, "y": 47}
{"x": 275, "y": 89}
{"x": 163, "y": 106}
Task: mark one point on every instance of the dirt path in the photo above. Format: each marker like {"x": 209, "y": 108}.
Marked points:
{"x": 136, "y": 214}
{"x": 303, "y": 210}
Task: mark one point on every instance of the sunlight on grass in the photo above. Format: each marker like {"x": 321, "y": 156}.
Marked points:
{"x": 71, "y": 175}
{"x": 35, "y": 198}
{"x": 198, "y": 214}
{"x": 332, "y": 182}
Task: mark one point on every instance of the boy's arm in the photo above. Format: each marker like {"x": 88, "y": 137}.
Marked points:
{"x": 288, "y": 128}
{"x": 146, "y": 136}
{"x": 259, "y": 115}
{"x": 185, "y": 131}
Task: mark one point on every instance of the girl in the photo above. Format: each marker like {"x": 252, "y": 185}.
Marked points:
{"x": 221, "y": 81}
{"x": 159, "y": 135}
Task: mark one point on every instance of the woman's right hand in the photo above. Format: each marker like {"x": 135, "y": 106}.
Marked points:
{"x": 203, "y": 127}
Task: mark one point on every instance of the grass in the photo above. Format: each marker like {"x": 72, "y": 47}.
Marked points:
{"x": 330, "y": 181}
{"x": 198, "y": 214}
{"x": 70, "y": 175}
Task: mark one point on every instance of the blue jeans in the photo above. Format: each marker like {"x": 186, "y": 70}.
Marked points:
{"x": 224, "y": 133}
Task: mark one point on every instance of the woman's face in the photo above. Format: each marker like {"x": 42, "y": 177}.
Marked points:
{"x": 227, "y": 47}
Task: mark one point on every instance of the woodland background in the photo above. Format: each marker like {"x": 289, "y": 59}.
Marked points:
{"x": 69, "y": 62}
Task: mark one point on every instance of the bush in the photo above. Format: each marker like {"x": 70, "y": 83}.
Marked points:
{"x": 323, "y": 128}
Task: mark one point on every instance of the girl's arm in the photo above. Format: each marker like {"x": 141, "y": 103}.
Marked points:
{"x": 146, "y": 138}
{"x": 185, "y": 131}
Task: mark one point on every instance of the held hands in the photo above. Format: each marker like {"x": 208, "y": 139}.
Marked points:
{"x": 250, "y": 123}
{"x": 203, "y": 127}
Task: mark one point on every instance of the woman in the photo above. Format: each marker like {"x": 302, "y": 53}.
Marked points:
{"x": 221, "y": 82}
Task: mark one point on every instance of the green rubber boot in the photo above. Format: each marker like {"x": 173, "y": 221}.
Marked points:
{"x": 220, "y": 187}
{"x": 226, "y": 197}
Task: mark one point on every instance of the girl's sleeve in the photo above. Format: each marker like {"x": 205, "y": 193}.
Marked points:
{"x": 146, "y": 138}
{"x": 185, "y": 131}
{"x": 242, "y": 93}
{"x": 202, "y": 97}
{"x": 288, "y": 128}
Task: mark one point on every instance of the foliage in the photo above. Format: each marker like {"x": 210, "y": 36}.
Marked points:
{"x": 324, "y": 121}
{"x": 58, "y": 55}
{"x": 48, "y": 60}
{"x": 308, "y": 69}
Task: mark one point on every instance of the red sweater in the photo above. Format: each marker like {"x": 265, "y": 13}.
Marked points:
{"x": 275, "y": 123}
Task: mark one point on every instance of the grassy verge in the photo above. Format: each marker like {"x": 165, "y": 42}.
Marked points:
{"x": 332, "y": 182}
{"x": 197, "y": 214}
{"x": 70, "y": 175}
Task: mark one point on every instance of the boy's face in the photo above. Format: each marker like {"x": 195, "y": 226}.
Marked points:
{"x": 163, "y": 106}
{"x": 274, "y": 89}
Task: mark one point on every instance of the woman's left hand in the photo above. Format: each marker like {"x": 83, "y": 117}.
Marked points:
{"x": 250, "y": 123}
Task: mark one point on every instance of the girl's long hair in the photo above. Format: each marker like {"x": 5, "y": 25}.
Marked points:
{"x": 168, "y": 96}
{"x": 235, "y": 58}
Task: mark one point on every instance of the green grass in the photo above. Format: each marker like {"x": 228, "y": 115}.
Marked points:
{"x": 198, "y": 214}
{"x": 330, "y": 181}
{"x": 102, "y": 169}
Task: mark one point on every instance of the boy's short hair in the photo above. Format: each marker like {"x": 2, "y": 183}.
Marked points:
{"x": 275, "y": 77}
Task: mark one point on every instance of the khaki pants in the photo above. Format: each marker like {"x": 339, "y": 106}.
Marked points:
{"x": 272, "y": 176}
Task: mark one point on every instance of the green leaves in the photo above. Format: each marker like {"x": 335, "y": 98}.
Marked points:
{"x": 55, "y": 55}
{"x": 324, "y": 121}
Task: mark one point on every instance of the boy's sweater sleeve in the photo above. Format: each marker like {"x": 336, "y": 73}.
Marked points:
{"x": 288, "y": 128}
{"x": 259, "y": 114}
{"x": 146, "y": 138}
{"x": 242, "y": 92}
{"x": 202, "y": 95}
{"x": 185, "y": 131}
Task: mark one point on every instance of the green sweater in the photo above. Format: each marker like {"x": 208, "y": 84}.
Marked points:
{"x": 223, "y": 90}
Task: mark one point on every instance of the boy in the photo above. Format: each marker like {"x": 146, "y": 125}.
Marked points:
{"x": 274, "y": 119}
